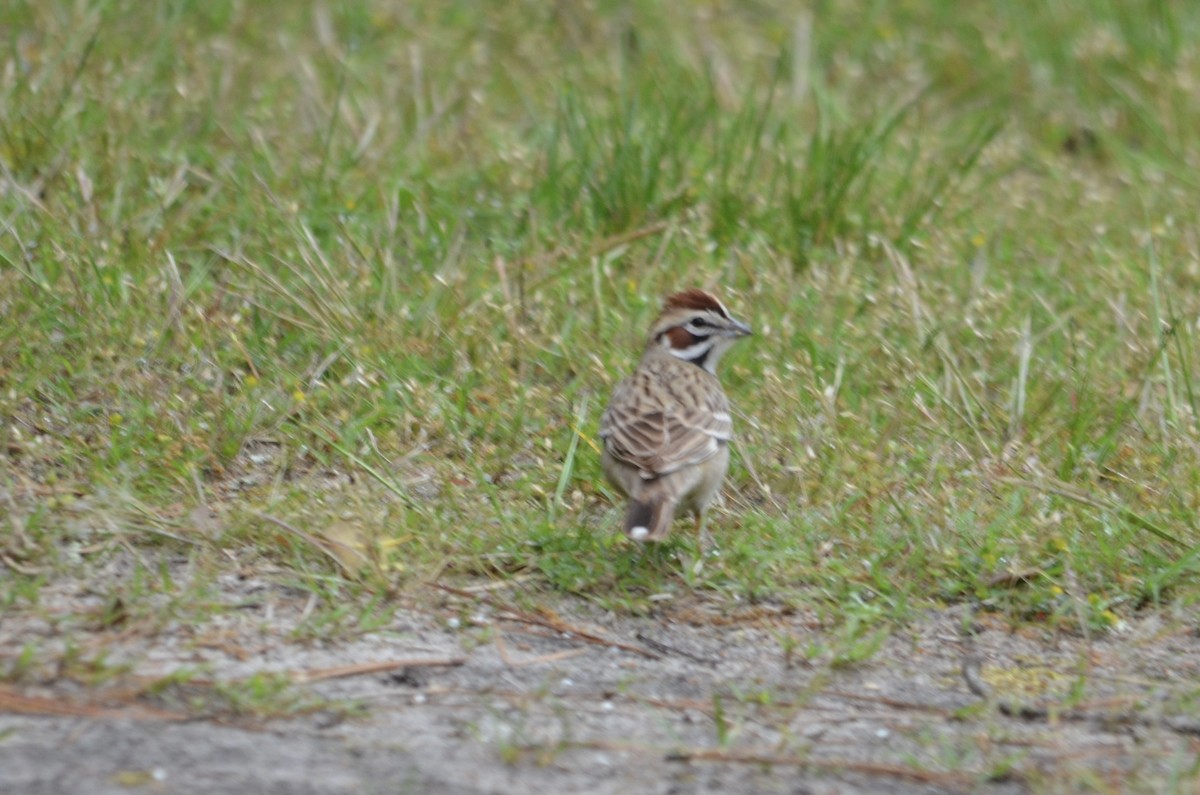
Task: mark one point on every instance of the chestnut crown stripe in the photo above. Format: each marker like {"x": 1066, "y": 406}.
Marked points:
{"x": 696, "y": 298}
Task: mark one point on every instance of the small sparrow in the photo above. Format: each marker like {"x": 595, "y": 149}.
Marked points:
{"x": 666, "y": 430}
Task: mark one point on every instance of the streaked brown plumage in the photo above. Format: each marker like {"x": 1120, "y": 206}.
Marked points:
{"x": 667, "y": 429}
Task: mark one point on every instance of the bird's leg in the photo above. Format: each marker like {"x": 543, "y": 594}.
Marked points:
{"x": 703, "y": 539}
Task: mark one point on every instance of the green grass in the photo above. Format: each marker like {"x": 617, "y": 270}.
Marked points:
{"x": 417, "y": 244}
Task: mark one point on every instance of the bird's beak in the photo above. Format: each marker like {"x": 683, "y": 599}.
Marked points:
{"x": 741, "y": 329}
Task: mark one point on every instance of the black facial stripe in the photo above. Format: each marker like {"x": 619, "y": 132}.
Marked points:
{"x": 697, "y": 351}
{"x": 700, "y": 358}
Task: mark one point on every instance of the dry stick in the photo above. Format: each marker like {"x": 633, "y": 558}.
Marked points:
{"x": 582, "y": 634}
{"x": 615, "y": 241}
{"x": 557, "y": 625}
{"x": 509, "y": 614}
{"x": 502, "y": 650}
{"x": 28, "y": 571}
{"x": 563, "y": 627}
{"x": 359, "y": 669}
{"x": 558, "y": 656}
{"x": 597, "y": 249}
{"x": 676, "y": 705}
{"x": 14, "y": 702}
{"x": 663, "y": 648}
{"x": 498, "y": 585}
{"x": 339, "y": 671}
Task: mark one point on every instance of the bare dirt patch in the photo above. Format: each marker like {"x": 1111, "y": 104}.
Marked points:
{"x": 469, "y": 691}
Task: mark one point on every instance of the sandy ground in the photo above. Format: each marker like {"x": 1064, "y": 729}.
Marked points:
{"x": 467, "y": 693}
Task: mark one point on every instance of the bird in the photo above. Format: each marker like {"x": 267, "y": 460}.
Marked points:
{"x": 667, "y": 427}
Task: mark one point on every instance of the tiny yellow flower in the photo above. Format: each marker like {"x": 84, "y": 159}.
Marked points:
{"x": 298, "y": 396}
{"x": 115, "y": 419}
{"x": 251, "y": 381}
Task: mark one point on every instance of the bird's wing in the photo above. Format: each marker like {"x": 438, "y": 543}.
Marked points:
{"x": 660, "y": 426}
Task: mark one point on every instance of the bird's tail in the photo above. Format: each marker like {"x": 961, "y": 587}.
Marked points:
{"x": 649, "y": 520}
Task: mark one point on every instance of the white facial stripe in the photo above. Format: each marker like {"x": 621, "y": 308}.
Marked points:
{"x": 691, "y": 351}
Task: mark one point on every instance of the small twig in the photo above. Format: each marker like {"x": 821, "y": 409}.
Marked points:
{"x": 502, "y": 650}
{"x": 498, "y": 585}
{"x": 336, "y": 672}
{"x": 663, "y": 648}
{"x": 361, "y": 669}
{"x": 616, "y": 241}
{"x": 562, "y": 626}
{"x": 557, "y": 625}
{"x": 12, "y": 701}
{"x": 28, "y": 571}
{"x": 1189, "y": 726}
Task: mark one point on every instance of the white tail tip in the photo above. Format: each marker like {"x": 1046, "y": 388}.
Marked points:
{"x": 639, "y": 533}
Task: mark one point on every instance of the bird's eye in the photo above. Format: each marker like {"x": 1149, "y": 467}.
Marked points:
{"x": 700, "y": 323}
